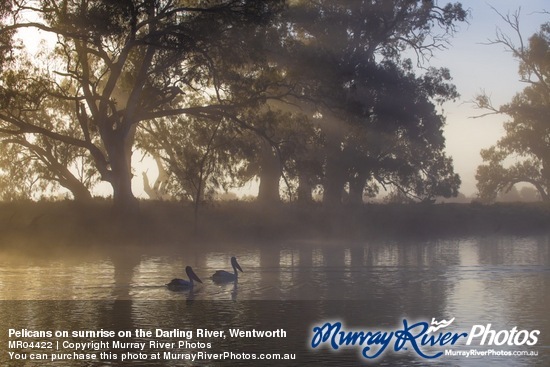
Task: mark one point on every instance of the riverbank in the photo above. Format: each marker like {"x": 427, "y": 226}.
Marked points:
{"x": 157, "y": 222}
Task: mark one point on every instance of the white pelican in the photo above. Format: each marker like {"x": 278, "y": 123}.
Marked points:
{"x": 222, "y": 276}
{"x": 180, "y": 284}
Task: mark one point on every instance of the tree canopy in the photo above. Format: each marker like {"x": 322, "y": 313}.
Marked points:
{"x": 374, "y": 114}
{"x": 121, "y": 63}
{"x": 523, "y": 154}
{"x": 313, "y": 93}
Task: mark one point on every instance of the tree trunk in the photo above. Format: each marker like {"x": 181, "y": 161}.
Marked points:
{"x": 305, "y": 189}
{"x": 158, "y": 190}
{"x": 333, "y": 190}
{"x": 335, "y": 175}
{"x": 545, "y": 172}
{"x": 119, "y": 149}
{"x": 124, "y": 200}
{"x": 77, "y": 188}
{"x": 356, "y": 188}
{"x": 270, "y": 174}
{"x": 68, "y": 180}
{"x": 60, "y": 172}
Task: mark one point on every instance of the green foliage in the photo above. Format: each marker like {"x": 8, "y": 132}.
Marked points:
{"x": 7, "y": 45}
{"x": 378, "y": 119}
{"x": 523, "y": 154}
{"x": 313, "y": 92}
{"x": 17, "y": 180}
{"x": 198, "y": 154}
{"x": 27, "y": 109}
{"x": 124, "y": 62}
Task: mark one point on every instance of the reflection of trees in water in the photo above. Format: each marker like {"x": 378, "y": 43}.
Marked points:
{"x": 59, "y": 274}
{"x": 380, "y": 282}
{"x": 124, "y": 265}
{"x": 397, "y": 278}
{"x": 508, "y": 250}
{"x": 519, "y": 281}
{"x": 414, "y": 273}
{"x": 529, "y": 292}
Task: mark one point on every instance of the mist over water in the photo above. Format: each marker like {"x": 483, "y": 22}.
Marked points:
{"x": 479, "y": 280}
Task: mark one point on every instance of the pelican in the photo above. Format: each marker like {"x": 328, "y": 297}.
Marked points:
{"x": 222, "y": 276}
{"x": 181, "y": 284}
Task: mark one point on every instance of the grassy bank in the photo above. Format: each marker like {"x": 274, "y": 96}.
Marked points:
{"x": 156, "y": 222}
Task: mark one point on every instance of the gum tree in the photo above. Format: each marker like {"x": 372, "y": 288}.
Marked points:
{"x": 523, "y": 153}
{"x": 124, "y": 62}
{"x": 378, "y": 120}
{"x": 47, "y": 162}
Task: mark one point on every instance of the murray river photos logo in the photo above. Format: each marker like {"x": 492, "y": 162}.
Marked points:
{"x": 427, "y": 340}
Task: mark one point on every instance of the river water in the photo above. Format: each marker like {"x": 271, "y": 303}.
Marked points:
{"x": 295, "y": 286}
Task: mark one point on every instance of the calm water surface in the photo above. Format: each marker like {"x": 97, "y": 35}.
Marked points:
{"x": 504, "y": 281}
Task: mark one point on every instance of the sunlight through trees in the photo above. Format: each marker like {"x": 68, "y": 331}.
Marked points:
{"x": 304, "y": 96}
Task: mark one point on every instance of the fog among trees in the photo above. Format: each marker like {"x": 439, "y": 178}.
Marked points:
{"x": 527, "y": 140}
{"x": 330, "y": 98}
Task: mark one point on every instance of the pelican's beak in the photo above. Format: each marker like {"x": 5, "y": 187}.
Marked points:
{"x": 195, "y": 277}
{"x": 238, "y": 266}
{"x": 191, "y": 274}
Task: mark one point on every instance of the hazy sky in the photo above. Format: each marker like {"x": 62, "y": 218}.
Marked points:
{"x": 476, "y": 67}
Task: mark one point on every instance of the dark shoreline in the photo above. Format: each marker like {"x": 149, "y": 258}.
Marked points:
{"x": 168, "y": 222}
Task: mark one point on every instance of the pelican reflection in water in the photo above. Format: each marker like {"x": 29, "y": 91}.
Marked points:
{"x": 222, "y": 276}
{"x": 181, "y": 284}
